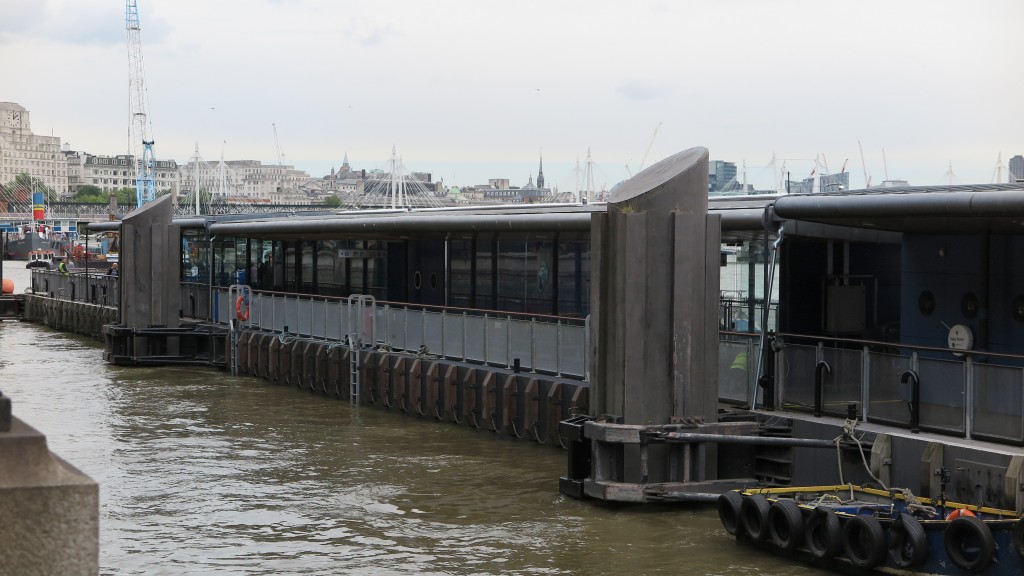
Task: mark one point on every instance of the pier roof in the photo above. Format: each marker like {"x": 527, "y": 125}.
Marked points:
{"x": 917, "y": 209}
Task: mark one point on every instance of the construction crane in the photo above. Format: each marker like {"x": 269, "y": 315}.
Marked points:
{"x": 646, "y": 152}
{"x": 864, "y": 167}
{"x": 140, "y": 141}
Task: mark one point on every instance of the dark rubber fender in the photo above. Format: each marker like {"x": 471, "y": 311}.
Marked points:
{"x": 908, "y": 545}
{"x": 786, "y": 524}
{"x": 729, "y": 511}
{"x": 754, "y": 516}
{"x": 824, "y": 534}
{"x": 969, "y": 543}
{"x": 864, "y": 541}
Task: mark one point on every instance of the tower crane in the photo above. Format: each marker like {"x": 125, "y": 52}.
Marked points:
{"x": 141, "y": 143}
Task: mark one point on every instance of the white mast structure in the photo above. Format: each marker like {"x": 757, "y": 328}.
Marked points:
{"x": 588, "y": 179}
{"x": 997, "y": 172}
{"x": 576, "y": 176}
{"x": 196, "y": 178}
{"x": 222, "y": 177}
{"x": 397, "y": 180}
{"x": 140, "y": 142}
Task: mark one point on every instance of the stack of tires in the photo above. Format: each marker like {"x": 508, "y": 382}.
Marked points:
{"x": 866, "y": 541}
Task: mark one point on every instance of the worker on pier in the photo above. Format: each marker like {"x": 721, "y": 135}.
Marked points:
{"x": 63, "y": 266}
{"x": 112, "y": 271}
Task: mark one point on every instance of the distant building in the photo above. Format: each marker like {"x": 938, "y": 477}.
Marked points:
{"x": 894, "y": 183}
{"x": 112, "y": 173}
{"x": 273, "y": 183}
{"x": 826, "y": 183}
{"x": 21, "y": 151}
{"x": 1017, "y": 169}
{"x": 721, "y": 176}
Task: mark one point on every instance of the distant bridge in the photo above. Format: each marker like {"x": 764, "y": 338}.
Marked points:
{"x": 96, "y": 212}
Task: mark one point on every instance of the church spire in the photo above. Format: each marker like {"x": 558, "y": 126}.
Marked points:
{"x": 540, "y": 173}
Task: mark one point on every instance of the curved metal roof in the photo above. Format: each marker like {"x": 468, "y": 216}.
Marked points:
{"x": 919, "y": 209}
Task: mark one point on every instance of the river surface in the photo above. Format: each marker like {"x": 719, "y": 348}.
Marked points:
{"x": 203, "y": 473}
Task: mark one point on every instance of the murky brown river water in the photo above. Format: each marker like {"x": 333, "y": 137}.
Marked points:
{"x": 203, "y": 473}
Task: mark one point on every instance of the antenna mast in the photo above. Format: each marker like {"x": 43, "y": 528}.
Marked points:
{"x": 141, "y": 143}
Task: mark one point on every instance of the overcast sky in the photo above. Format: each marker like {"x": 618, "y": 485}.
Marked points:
{"x": 471, "y": 90}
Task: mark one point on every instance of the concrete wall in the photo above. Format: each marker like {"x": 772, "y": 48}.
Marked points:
{"x": 49, "y": 511}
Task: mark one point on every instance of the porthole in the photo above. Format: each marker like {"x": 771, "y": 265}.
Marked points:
{"x": 1018, "y": 308}
{"x": 417, "y": 280}
{"x": 433, "y": 281}
{"x": 969, "y": 305}
{"x": 926, "y": 303}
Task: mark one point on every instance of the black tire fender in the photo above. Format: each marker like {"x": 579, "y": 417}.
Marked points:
{"x": 754, "y": 516}
{"x": 969, "y": 543}
{"x": 729, "y": 512}
{"x": 864, "y": 541}
{"x": 908, "y": 545}
{"x": 786, "y": 524}
{"x": 824, "y": 534}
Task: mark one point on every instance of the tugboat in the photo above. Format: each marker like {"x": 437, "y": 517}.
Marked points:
{"x": 861, "y": 530}
{"x": 40, "y": 259}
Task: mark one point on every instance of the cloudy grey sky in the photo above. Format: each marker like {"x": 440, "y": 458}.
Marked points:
{"x": 471, "y": 90}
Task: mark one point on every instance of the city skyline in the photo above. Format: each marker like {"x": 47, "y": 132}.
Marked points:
{"x": 927, "y": 82}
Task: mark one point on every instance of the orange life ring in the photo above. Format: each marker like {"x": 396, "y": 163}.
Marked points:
{"x": 959, "y": 512}
{"x": 242, "y": 308}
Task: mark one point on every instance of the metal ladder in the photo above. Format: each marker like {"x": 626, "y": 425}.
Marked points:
{"x": 360, "y": 330}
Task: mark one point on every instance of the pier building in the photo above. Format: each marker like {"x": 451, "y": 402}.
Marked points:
{"x": 889, "y": 316}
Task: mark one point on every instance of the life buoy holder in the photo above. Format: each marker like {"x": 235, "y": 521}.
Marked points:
{"x": 958, "y": 513}
{"x": 242, "y": 308}
{"x": 969, "y": 544}
{"x": 864, "y": 541}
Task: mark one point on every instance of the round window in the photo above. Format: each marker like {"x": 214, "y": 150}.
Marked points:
{"x": 433, "y": 281}
{"x": 417, "y": 280}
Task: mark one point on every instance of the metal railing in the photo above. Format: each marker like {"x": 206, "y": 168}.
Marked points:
{"x": 94, "y": 286}
{"x": 734, "y": 315}
{"x": 972, "y": 394}
{"x": 547, "y": 344}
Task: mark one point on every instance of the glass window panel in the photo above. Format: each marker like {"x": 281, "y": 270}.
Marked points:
{"x": 484, "y": 275}
{"x": 460, "y": 272}
{"x": 513, "y": 277}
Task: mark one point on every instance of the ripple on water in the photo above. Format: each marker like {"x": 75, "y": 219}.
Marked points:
{"x": 202, "y": 473}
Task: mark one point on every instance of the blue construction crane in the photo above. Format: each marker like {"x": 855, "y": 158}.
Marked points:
{"x": 141, "y": 143}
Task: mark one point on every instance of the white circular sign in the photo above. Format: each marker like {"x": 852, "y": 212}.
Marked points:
{"x": 961, "y": 337}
